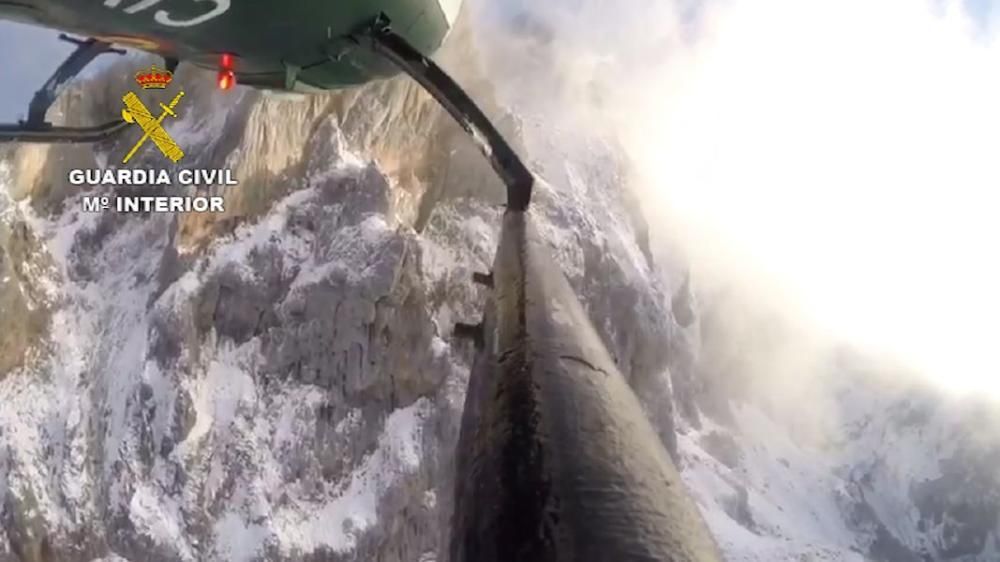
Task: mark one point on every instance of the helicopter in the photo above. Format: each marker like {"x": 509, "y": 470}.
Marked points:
{"x": 302, "y": 46}
{"x": 556, "y": 461}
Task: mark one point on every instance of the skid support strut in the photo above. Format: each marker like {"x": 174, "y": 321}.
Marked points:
{"x": 452, "y": 97}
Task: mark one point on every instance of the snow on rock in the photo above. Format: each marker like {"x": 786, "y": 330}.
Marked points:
{"x": 336, "y": 522}
{"x": 281, "y": 382}
{"x": 186, "y": 449}
{"x": 898, "y": 473}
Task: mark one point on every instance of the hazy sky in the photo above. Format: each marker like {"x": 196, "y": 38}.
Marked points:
{"x": 982, "y": 8}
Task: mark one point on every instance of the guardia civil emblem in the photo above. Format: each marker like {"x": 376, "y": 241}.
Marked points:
{"x": 136, "y": 112}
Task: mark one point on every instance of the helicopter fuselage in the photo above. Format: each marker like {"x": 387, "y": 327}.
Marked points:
{"x": 301, "y": 45}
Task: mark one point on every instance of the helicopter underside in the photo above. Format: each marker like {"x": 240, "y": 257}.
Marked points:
{"x": 273, "y": 45}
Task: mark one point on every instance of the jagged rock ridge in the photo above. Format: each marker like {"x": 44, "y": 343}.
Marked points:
{"x": 281, "y": 381}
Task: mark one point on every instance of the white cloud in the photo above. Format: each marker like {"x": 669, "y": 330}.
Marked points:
{"x": 839, "y": 157}
{"x": 849, "y": 153}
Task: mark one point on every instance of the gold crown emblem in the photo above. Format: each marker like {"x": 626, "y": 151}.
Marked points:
{"x": 153, "y": 78}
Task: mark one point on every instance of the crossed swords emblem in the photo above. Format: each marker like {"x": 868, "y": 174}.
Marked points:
{"x": 136, "y": 112}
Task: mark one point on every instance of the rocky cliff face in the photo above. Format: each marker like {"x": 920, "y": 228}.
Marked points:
{"x": 281, "y": 382}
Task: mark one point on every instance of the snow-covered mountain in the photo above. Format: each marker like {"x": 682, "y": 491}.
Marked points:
{"x": 280, "y": 382}
{"x": 843, "y": 457}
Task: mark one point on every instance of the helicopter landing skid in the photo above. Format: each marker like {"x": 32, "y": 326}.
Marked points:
{"x": 507, "y": 164}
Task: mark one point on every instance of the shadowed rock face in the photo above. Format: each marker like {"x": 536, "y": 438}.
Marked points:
{"x": 24, "y": 307}
{"x": 961, "y": 508}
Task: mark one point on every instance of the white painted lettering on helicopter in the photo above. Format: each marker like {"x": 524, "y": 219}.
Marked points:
{"x": 221, "y": 7}
{"x": 137, "y": 7}
{"x": 163, "y": 17}
{"x": 140, "y": 6}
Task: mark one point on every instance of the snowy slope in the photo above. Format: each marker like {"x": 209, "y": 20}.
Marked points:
{"x": 91, "y": 432}
{"x": 281, "y": 382}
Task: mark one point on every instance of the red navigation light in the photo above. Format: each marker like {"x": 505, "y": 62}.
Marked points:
{"x": 226, "y": 79}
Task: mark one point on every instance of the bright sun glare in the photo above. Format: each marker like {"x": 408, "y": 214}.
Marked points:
{"x": 849, "y": 151}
